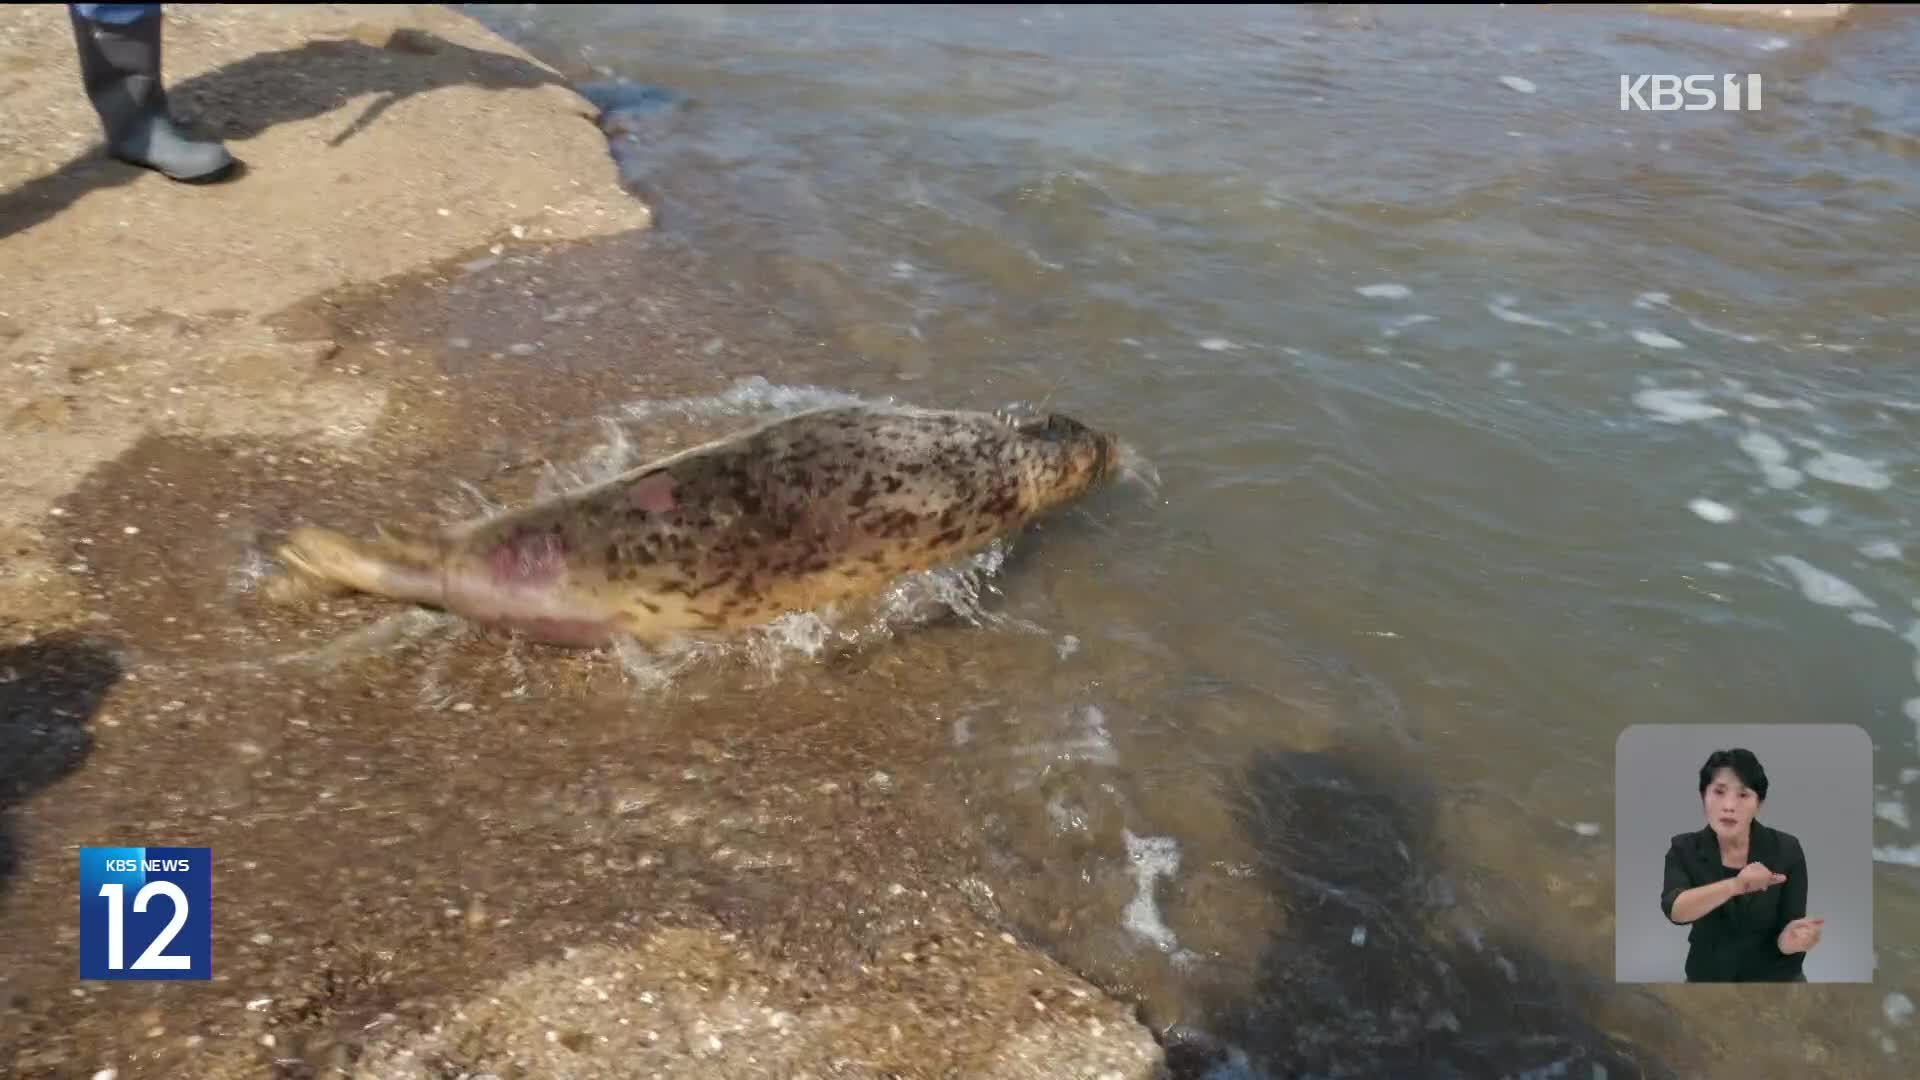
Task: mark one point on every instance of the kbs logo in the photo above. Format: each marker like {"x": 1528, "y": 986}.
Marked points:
{"x": 145, "y": 913}
{"x": 1693, "y": 93}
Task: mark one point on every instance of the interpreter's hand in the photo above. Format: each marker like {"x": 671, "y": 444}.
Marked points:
{"x": 1755, "y": 877}
{"x": 1801, "y": 935}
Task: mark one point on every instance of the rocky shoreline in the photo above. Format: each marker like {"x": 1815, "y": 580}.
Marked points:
{"x": 455, "y": 860}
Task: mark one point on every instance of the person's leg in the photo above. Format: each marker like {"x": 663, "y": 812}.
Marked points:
{"x": 119, "y": 47}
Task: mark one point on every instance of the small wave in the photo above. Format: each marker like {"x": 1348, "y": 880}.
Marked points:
{"x": 1153, "y": 857}
{"x": 1850, "y": 471}
{"x": 1708, "y": 510}
{"x": 1502, "y": 308}
{"x": 1820, "y": 587}
{"x": 1677, "y": 406}
{"x": 1708, "y": 328}
{"x": 1897, "y": 856}
{"x": 1764, "y": 449}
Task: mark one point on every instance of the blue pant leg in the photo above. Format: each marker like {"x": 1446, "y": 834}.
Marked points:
{"x": 115, "y": 14}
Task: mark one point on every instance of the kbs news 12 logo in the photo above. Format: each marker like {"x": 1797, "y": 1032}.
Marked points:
{"x": 1692, "y": 93}
{"x": 145, "y": 913}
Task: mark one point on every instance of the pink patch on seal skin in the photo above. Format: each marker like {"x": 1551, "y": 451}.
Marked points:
{"x": 652, "y": 493}
{"x": 528, "y": 559}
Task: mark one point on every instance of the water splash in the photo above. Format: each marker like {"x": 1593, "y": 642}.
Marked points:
{"x": 1133, "y": 467}
{"x": 1151, "y": 857}
{"x": 253, "y": 569}
{"x": 751, "y": 396}
{"x": 962, "y": 590}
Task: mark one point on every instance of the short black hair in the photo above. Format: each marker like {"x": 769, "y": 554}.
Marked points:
{"x": 1744, "y": 765}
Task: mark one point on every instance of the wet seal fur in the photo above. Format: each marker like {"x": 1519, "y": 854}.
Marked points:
{"x": 828, "y": 505}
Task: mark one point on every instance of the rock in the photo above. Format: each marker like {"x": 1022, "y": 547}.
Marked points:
{"x": 413, "y": 40}
{"x": 42, "y": 414}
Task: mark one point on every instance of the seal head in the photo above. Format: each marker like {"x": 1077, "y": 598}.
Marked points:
{"x": 1067, "y": 459}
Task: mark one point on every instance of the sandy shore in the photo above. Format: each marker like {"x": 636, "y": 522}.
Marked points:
{"x": 412, "y": 887}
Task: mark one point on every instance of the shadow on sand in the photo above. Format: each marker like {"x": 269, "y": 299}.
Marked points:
{"x": 243, "y": 99}
{"x": 49, "y": 691}
{"x": 1347, "y": 845}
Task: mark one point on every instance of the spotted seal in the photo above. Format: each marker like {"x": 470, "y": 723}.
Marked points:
{"x": 828, "y": 505}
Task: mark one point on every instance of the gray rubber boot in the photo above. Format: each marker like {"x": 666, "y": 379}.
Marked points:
{"x": 120, "y": 67}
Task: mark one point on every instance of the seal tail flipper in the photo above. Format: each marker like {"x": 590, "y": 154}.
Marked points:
{"x": 326, "y": 561}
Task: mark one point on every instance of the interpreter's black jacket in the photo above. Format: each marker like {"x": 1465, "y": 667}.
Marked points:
{"x": 1737, "y": 941}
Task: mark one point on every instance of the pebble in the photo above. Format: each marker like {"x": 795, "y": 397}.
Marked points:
{"x": 106, "y": 1074}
